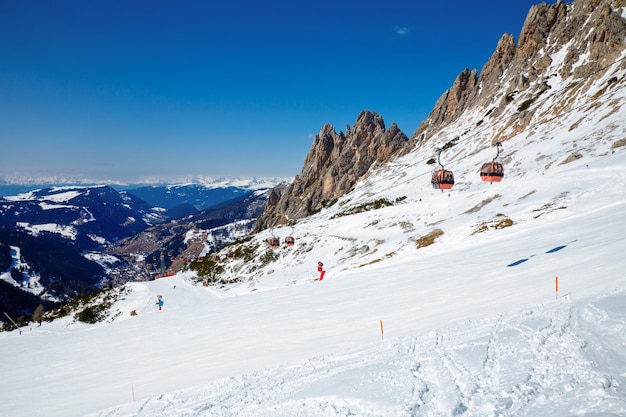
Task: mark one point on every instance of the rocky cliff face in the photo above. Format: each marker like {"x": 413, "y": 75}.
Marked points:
{"x": 592, "y": 31}
{"x": 334, "y": 164}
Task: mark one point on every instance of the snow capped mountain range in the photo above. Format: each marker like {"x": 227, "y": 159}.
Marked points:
{"x": 209, "y": 182}
{"x": 95, "y": 213}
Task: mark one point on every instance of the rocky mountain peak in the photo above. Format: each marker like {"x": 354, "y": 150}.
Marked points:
{"x": 541, "y": 21}
{"x": 368, "y": 124}
{"x": 334, "y": 164}
{"x": 585, "y": 36}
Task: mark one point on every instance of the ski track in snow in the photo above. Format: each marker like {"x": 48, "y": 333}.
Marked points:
{"x": 525, "y": 365}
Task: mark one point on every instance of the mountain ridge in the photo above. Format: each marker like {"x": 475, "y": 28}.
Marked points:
{"x": 10, "y": 186}
{"x": 589, "y": 30}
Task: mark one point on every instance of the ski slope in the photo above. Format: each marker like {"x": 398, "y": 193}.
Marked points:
{"x": 466, "y": 332}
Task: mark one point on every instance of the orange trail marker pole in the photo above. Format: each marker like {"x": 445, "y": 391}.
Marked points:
{"x": 382, "y": 332}
{"x": 556, "y": 284}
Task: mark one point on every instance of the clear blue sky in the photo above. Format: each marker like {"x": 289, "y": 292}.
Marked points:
{"x": 125, "y": 90}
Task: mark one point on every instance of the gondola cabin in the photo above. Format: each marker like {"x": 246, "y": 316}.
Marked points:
{"x": 442, "y": 179}
{"x": 217, "y": 258}
{"x": 290, "y": 241}
{"x": 230, "y": 256}
{"x": 274, "y": 242}
{"x": 492, "y": 172}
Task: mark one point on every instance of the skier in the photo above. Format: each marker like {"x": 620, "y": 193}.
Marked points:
{"x": 320, "y": 269}
{"x": 159, "y": 301}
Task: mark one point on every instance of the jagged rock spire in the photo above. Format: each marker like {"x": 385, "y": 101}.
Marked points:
{"x": 334, "y": 164}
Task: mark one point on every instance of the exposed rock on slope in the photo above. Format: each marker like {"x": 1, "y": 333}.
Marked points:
{"x": 334, "y": 164}
{"x": 591, "y": 29}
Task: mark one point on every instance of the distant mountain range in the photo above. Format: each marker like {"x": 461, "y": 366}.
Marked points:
{"x": 10, "y": 186}
{"x": 196, "y": 195}
{"x": 61, "y": 239}
{"x": 88, "y": 217}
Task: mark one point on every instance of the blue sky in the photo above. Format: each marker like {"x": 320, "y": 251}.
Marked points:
{"x": 131, "y": 90}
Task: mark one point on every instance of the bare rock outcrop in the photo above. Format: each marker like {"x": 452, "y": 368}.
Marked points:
{"x": 334, "y": 164}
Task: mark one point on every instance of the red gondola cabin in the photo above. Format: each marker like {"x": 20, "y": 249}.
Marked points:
{"x": 274, "y": 242}
{"x": 492, "y": 172}
{"x": 442, "y": 179}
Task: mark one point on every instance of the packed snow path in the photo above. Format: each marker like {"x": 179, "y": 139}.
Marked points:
{"x": 453, "y": 344}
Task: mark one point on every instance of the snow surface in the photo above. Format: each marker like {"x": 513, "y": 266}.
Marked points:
{"x": 30, "y": 282}
{"x": 470, "y": 325}
{"x": 57, "y": 194}
{"x": 35, "y": 229}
